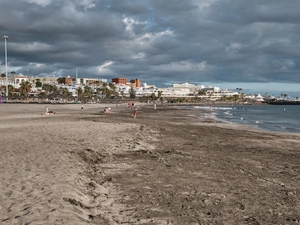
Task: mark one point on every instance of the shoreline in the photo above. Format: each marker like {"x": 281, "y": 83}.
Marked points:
{"x": 167, "y": 166}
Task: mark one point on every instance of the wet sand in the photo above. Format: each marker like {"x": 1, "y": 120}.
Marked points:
{"x": 167, "y": 166}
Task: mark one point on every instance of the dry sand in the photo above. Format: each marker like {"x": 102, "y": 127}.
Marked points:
{"x": 165, "y": 167}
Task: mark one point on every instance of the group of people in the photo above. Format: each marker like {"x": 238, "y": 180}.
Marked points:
{"x": 106, "y": 110}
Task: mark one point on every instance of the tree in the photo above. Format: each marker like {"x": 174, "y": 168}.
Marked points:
{"x": 239, "y": 90}
{"x": 79, "y": 92}
{"x": 2, "y": 75}
{"x": 11, "y": 89}
{"x": 153, "y": 96}
{"x": 49, "y": 88}
{"x": 108, "y": 92}
{"x": 87, "y": 91}
{"x": 64, "y": 91}
{"x": 104, "y": 84}
{"x": 159, "y": 94}
{"x": 201, "y": 92}
{"x": 13, "y": 73}
{"x": 112, "y": 88}
{"x": 38, "y": 83}
{"x": 25, "y": 88}
{"x": 42, "y": 94}
{"x": 132, "y": 93}
{"x": 107, "y": 89}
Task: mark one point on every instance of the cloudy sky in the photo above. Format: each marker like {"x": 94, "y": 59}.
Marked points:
{"x": 226, "y": 42}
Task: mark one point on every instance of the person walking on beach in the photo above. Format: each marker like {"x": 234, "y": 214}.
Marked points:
{"x": 82, "y": 108}
{"x": 134, "y": 112}
{"x": 46, "y": 110}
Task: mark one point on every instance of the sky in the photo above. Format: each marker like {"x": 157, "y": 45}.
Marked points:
{"x": 254, "y": 45}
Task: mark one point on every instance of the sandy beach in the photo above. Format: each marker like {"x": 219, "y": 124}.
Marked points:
{"x": 167, "y": 166}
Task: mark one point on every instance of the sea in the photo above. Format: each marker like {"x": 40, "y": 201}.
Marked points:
{"x": 278, "y": 118}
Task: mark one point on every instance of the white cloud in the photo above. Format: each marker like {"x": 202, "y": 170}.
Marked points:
{"x": 233, "y": 47}
{"x": 202, "y": 4}
{"x": 286, "y": 65}
{"x": 87, "y": 4}
{"x": 130, "y": 25}
{"x": 40, "y": 2}
{"x": 140, "y": 55}
{"x": 36, "y": 64}
{"x": 149, "y": 37}
{"x": 105, "y": 65}
{"x": 146, "y": 37}
{"x": 35, "y": 46}
{"x": 183, "y": 66}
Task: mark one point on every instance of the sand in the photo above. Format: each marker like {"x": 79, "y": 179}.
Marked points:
{"x": 167, "y": 166}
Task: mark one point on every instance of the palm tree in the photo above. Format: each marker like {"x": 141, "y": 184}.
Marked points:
{"x": 104, "y": 84}
{"x": 239, "y": 90}
{"x": 108, "y": 92}
{"x": 49, "y": 88}
{"x": 87, "y": 91}
{"x": 25, "y": 88}
{"x": 66, "y": 91}
{"x": 42, "y": 94}
{"x": 79, "y": 92}
{"x": 112, "y": 87}
{"x": 11, "y": 89}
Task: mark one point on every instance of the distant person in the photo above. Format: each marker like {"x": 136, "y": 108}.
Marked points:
{"x": 106, "y": 110}
{"x": 134, "y": 112}
{"x": 82, "y": 108}
{"x": 48, "y": 112}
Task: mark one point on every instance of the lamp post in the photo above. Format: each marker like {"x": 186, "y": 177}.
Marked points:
{"x": 6, "y": 37}
{"x": 76, "y": 68}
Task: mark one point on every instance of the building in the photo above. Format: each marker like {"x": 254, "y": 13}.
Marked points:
{"x": 184, "y": 85}
{"x": 15, "y": 81}
{"x": 19, "y": 79}
{"x": 119, "y": 81}
{"x": 136, "y": 83}
{"x": 65, "y": 80}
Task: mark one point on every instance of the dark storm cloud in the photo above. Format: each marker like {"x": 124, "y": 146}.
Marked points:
{"x": 155, "y": 41}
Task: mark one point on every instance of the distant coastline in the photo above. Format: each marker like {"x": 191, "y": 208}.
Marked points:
{"x": 283, "y": 102}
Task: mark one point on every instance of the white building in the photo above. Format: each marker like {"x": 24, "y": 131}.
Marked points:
{"x": 184, "y": 85}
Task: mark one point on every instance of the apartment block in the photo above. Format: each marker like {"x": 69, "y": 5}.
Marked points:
{"x": 119, "y": 81}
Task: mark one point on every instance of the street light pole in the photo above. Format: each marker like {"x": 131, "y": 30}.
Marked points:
{"x": 76, "y": 74}
{"x": 6, "y": 37}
